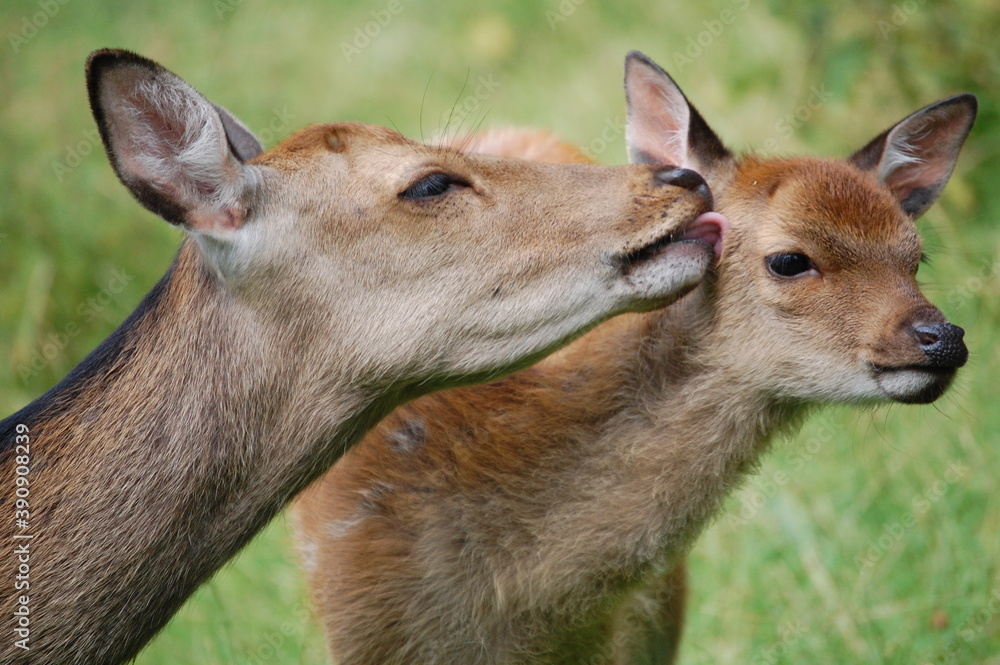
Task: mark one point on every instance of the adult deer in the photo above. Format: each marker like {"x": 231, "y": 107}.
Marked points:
{"x": 321, "y": 283}
{"x": 544, "y": 518}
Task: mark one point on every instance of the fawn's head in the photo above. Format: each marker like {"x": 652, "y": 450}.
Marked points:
{"x": 393, "y": 261}
{"x": 816, "y": 292}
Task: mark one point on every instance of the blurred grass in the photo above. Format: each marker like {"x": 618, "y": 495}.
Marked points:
{"x": 782, "y": 576}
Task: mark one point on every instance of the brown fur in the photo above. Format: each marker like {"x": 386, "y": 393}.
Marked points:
{"x": 544, "y": 518}
{"x": 308, "y": 301}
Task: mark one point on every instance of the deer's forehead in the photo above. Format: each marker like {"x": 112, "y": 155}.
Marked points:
{"x": 835, "y": 249}
{"x": 851, "y": 202}
{"x": 351, "y": 139}
{"x": 829, "y": 205}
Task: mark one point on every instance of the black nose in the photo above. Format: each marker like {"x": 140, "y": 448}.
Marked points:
{"x": 685, "y": 178}
{"x": 942, "y": 344}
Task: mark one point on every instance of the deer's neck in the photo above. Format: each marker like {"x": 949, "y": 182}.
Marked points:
{"x": 690, "y": 422}
{"x": 157, "y": 459}
{"x": 701, "y": 431}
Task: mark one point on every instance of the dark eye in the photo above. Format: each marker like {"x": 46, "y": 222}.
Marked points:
{"x": 429, "y": 186}
{"x": 788, "y": 265}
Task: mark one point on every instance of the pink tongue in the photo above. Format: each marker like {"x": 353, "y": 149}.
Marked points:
{"x": 711, "y": 228}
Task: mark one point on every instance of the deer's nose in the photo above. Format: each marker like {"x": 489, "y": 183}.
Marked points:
{"x": 942, "y": 344}
{"x": 685, "y": 178}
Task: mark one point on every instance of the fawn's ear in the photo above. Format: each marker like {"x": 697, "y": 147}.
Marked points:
{"x": 662, "y": 126}
{"x": 180, "y": 155}
{"x": 914, "y": 158}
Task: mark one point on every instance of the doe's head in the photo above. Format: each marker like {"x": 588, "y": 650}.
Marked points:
{"x": 404, "y": 266}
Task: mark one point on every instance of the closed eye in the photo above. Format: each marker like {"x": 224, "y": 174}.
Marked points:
{"x": 432, "y": 185}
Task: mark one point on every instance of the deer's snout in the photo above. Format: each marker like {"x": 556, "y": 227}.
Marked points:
{"x": 685, "y": 178}
{"x": 916, "y": 380}
{"x": 942, "y": 344}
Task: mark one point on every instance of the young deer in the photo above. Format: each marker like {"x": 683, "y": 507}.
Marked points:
{"x": 544, "y": 518}
{"x": 320, "y": 284}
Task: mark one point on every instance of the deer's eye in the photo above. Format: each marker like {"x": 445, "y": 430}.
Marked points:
{"x": 788, "y": 264}
{"x": 430, "y": 186}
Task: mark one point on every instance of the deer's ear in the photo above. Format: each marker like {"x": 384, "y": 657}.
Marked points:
{"x": 180, "y": 155}
{"x": 914, "y": 158}
{"x": 662, "y": 126}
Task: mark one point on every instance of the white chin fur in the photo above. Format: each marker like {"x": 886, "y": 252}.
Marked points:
{"x": 675, "y": 270}
{"x": 907, "y": 385}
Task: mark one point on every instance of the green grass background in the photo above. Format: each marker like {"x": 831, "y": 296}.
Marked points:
{"x": 782, "y": 576}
